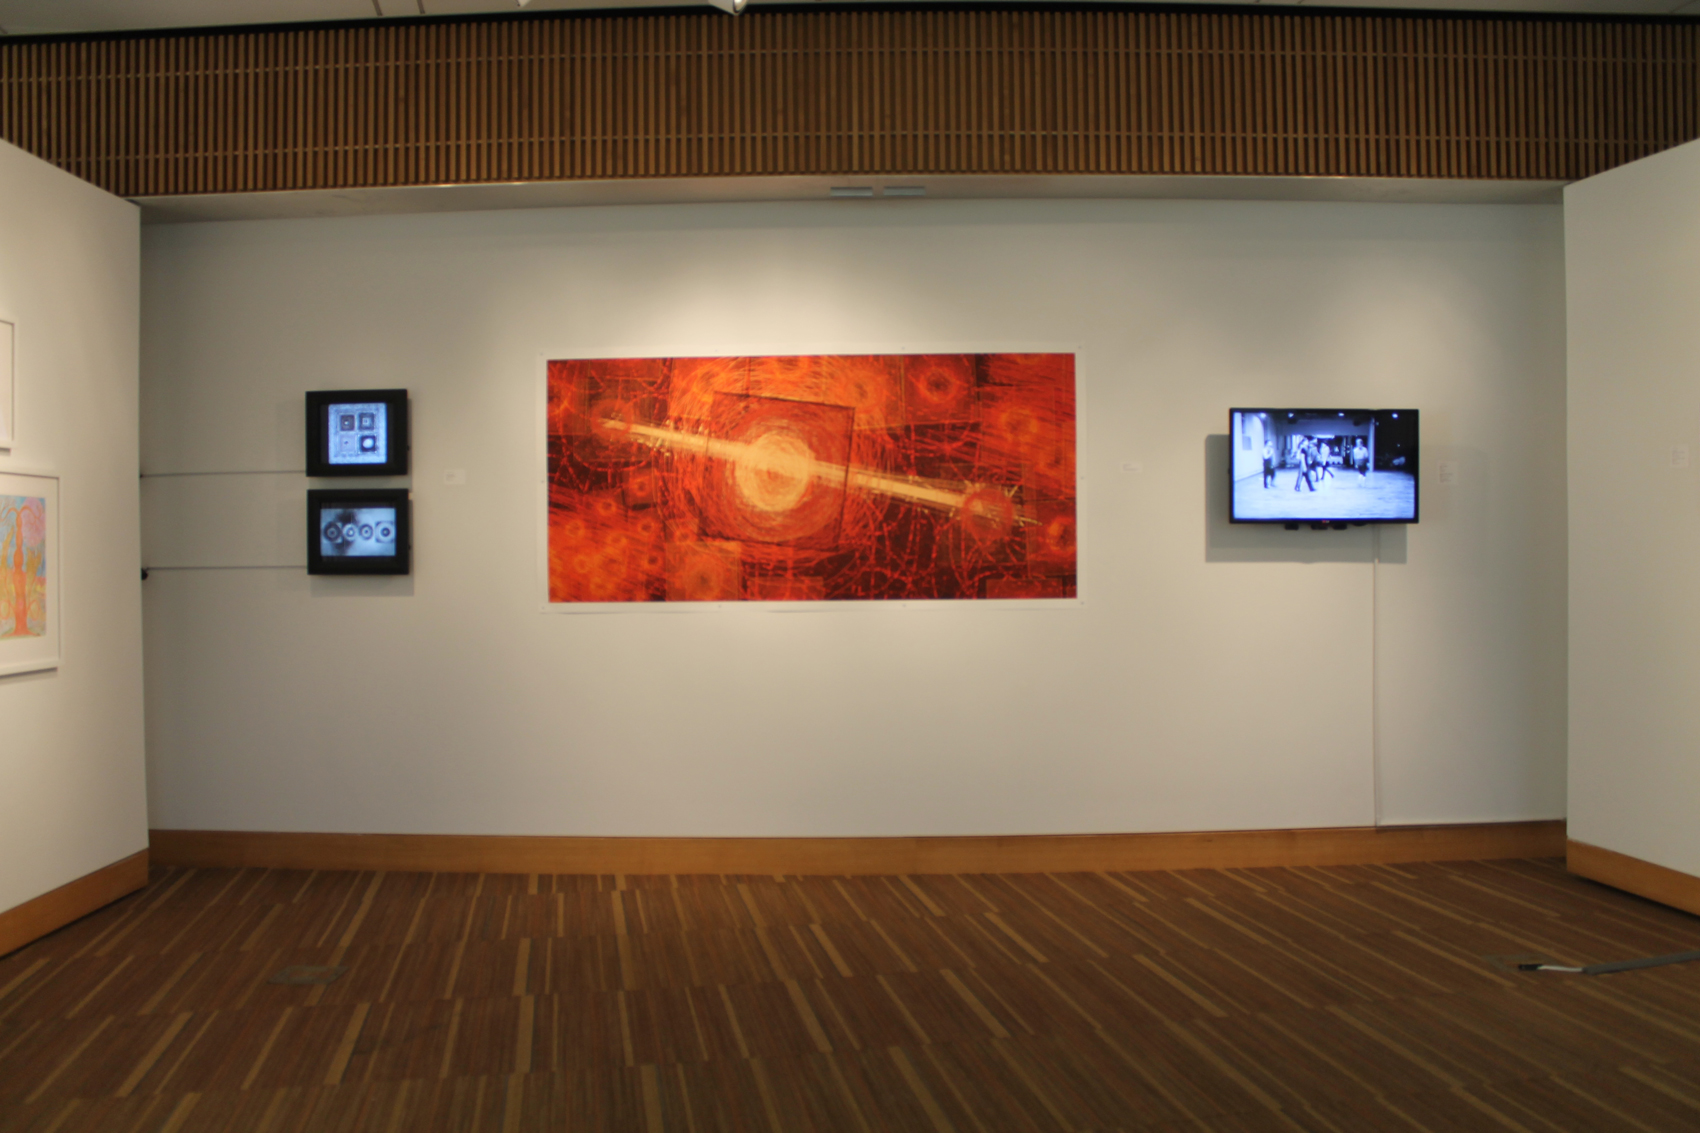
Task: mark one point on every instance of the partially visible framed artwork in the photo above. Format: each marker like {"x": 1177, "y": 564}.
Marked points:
{"x": 29, "y": 572}
{"x": 810, "y": 478}
{"x": 8, "y": 384}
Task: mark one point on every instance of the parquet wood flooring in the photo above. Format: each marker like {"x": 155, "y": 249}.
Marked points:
{"x": 1231, "y": 1001}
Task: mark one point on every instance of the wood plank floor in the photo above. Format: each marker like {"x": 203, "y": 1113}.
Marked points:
{"x": 1342, "y": 999}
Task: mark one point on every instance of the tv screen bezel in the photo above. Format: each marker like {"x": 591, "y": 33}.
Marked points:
{"x": 399, "y": 498}
{"x": 1320, "y": 521}
{"x": 397, "y": 429}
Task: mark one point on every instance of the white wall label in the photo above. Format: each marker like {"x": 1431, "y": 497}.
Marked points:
{"x": 1446, "y": 472}
{"x": 1134, "y": 466}
{"x": 1679, "y": 456}
{"x": 455, "y": 476}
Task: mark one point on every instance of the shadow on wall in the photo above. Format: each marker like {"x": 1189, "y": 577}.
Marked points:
{"x": 361, "y": 586}
{"x": 1226, "y": 542}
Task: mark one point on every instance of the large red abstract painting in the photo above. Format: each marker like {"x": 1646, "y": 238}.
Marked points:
{"x": 808, "y": 478}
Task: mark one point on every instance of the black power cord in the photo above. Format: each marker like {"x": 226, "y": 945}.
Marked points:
{"x": 1614, "y": 966}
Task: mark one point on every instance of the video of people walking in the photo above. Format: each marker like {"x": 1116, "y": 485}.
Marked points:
{"x": 1323, "y": 465}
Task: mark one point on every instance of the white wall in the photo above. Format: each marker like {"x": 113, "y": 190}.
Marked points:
{"x": 1632, "y": 252}
{"x": 448, "y": 703}
{"x": 71, "y": 762}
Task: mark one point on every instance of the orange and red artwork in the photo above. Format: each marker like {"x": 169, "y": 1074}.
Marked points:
{"x": 813, "y": 477}
{"x": 23, "y": 566}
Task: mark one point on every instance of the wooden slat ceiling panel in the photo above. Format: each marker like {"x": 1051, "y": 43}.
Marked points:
{"x": 853, "y": 93}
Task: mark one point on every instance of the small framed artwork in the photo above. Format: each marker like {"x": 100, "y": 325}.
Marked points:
{"x": 359, "y": 531}
{"x": 8, "y": 384}
{"x": 29, "y": 573}
{"x": 357, "y": 432}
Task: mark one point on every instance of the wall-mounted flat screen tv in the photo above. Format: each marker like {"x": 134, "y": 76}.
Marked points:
{"x": 357, "y": 432}
{"x": 1323, "y": 466}
{"x": 355, "y": 531}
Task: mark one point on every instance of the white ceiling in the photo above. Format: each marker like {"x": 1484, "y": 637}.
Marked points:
{"x": 36, "y": 17}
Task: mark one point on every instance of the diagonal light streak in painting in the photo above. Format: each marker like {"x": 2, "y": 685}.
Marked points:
{"x": 787, "y": 467}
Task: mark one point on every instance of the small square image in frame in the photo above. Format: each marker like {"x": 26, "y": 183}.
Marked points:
{"x": 357, "y": 432}
{"x": 359, "y": 531}
{"x": 29, "y": 573}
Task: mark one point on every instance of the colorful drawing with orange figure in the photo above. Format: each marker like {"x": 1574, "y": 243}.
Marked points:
{"x": 23, "y": 566}
{"x": 814, "y": 477}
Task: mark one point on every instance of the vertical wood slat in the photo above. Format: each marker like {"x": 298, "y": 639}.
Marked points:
{"x": 847, "y": 92}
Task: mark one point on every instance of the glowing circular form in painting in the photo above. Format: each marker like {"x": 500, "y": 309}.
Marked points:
{"x": 775, "y": 470}
{"x": 988, "y": 514}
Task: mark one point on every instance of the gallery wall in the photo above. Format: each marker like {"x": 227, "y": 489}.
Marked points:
{"x": 1632, "y": 249}
{"x": 71, "y": 757}
{"x": 1212, "y": 677}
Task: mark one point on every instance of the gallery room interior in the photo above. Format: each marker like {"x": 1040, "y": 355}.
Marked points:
{"x": 912, "y": 566}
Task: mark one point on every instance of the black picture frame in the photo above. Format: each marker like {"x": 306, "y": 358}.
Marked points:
{"x": 1399, "y": 455}
{"x": 394, "y": 435}
{"x": 321, "y": 502}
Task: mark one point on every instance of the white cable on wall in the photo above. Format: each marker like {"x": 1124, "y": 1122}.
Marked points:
{"x": 1375, "y": 669}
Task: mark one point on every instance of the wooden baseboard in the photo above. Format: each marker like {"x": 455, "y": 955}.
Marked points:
{"x": 1642, "y": 878}
{"x": 460, "y": 853}
{"x": 57, "y": 908}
